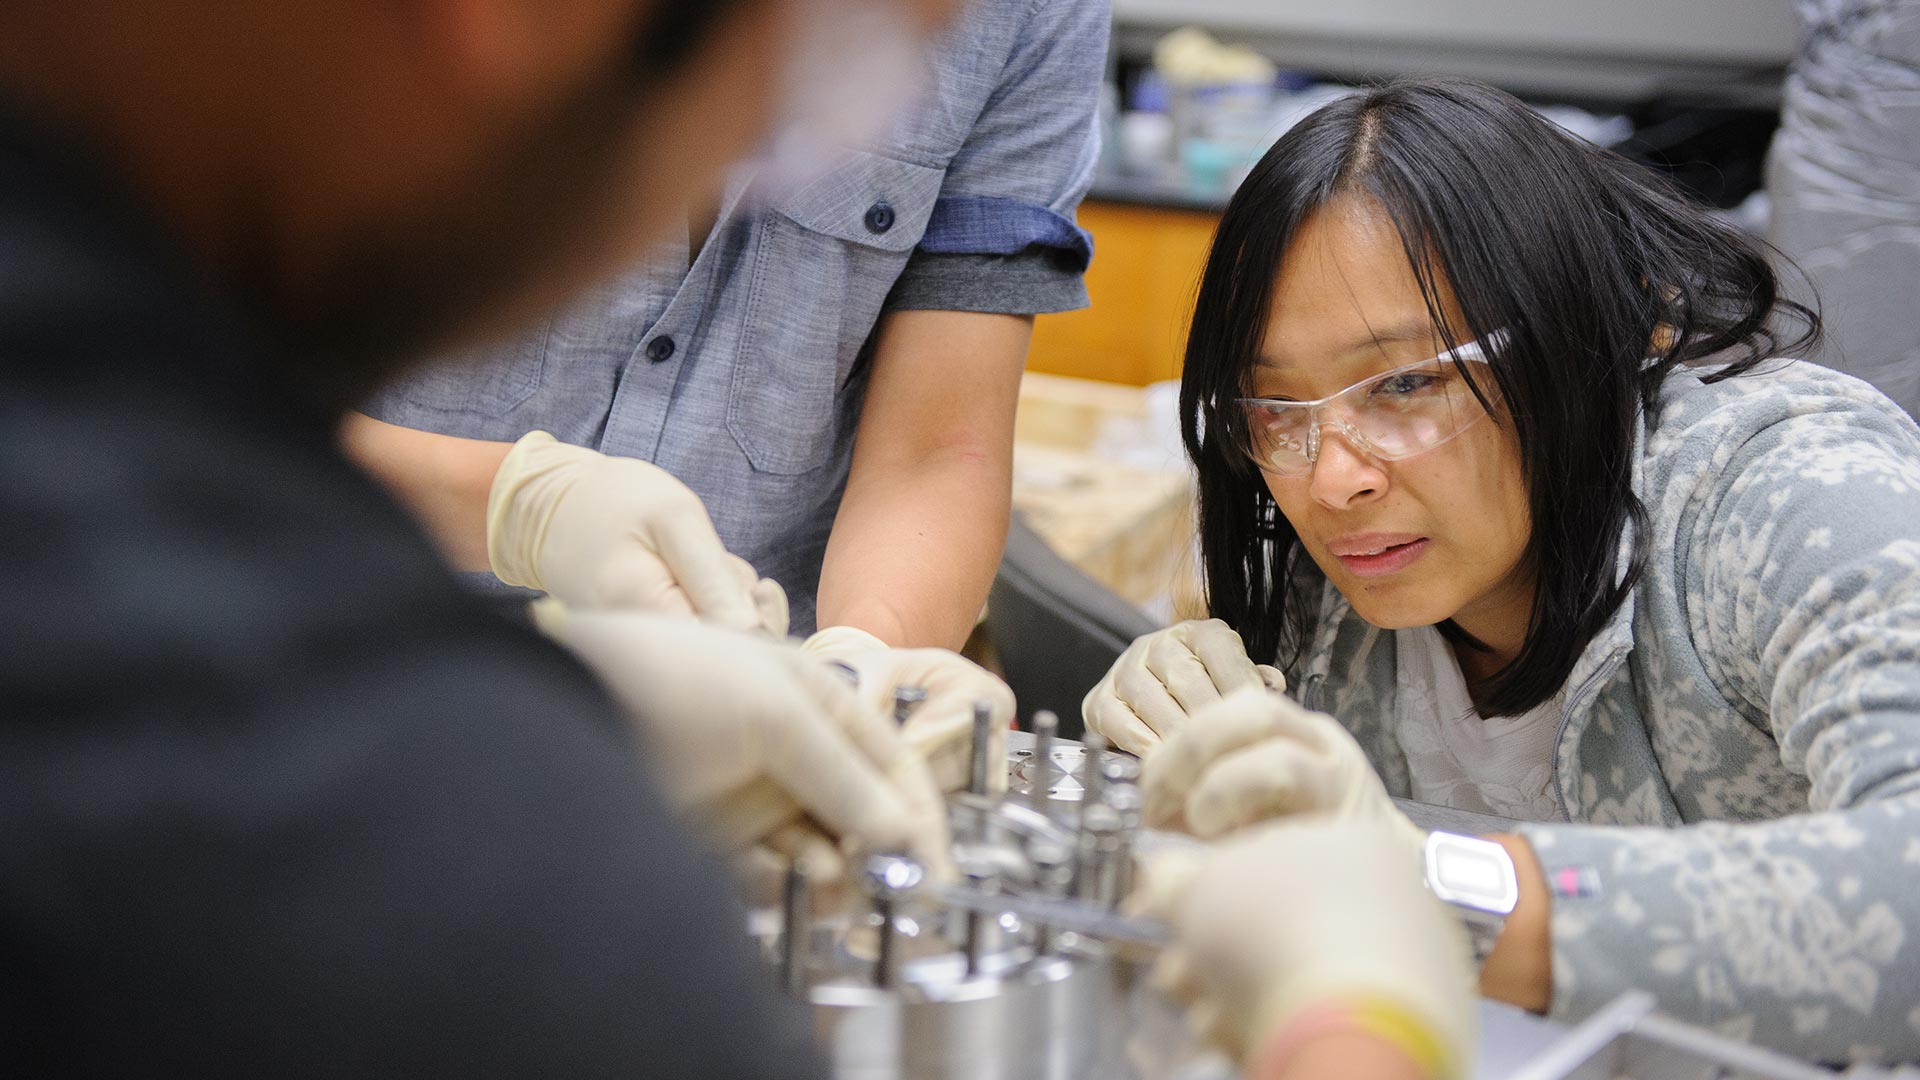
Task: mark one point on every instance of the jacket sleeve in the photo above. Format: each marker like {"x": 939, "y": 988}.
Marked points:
{"x": 1803, "y": 596}
{"x": 1003, "y": 236}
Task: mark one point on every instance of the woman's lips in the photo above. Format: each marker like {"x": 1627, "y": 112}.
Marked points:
{"x": 1395, "y": 558}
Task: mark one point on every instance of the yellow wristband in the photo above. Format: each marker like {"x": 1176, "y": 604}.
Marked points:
{"x": 1380, "y": 1017}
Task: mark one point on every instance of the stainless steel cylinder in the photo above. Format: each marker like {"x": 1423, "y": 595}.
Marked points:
{"x": 1050, "y": 1019}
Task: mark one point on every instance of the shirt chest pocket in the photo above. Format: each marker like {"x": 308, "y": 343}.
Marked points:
{"x": 824, "y": 258}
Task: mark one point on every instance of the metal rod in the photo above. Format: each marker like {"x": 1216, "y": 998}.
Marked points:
{"x": 1052, "y": 864}
{"x": 796, "y": 916}
{"x": 1045, "y": 726}
{"x": 1068, "y": 915}
{"x": 980, "y": 774}
{"x": 1091, "y": 776}
{"x": 1098, "y": 837}
{"x": 888, "y": 878}
{"x": 973, "y": 944}
{"x": 980, "y": 875}
{"x": 883, "y": 956}
{"x": 1126, "y": 800}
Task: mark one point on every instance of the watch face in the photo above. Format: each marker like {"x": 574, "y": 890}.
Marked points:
{"x": 1471, "y": 872}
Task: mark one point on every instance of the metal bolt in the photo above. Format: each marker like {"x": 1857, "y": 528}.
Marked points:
{"x": 1100, "y": 829}
{"x": 796, "y": 931}
{"x": 1045, "y": 726}
{"x": 1092, "y": 768}
{"x": 982, "y": 874}
{"x": 1126, "y": 799}
{"x": 889, "y": 879}
{"x": 980, "y": 776}
{"x": 905, "y": 700}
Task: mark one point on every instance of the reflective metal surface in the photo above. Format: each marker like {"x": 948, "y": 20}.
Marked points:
{"x": 1021, "y": 968}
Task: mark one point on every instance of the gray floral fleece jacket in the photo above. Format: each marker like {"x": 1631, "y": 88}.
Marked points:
{"x": 1738, "y": 758}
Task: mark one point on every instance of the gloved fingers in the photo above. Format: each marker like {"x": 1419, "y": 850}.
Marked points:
{"x": 516, "y": 511}
{"x": 735, "y": 820}
{"x": 829, "y": 882}
{"x": 1224, "y": 654}
{"x": 550, "y": 617}
{"x": 802, "y": 843}
{"x": 844, "y": 643}
{"x": 1314, "y": 729}
{"x": 1272, "y": 779}
{"x": 941, "y": 734}
{"x": 1116, "y": 721}
{"x": 1147, "y": 696}
{"x": 1272, "y": 678}
{"x": 1182, "y": 674}
{"x": 943, "y": 724}
{"x": 951, "y": 676}
{"x": 635, "y": 580}
{"x": 808, "y": 756}
{"x": 1161, "y": 881}
{"x": 698, "y": 561}
{"x": 770, "y": 601}
{"x": 1173, "y": 975}
{"x": 1167, "y": 778}
{"x": 921, "y": 824}
{"x": 1218, "y": 1022}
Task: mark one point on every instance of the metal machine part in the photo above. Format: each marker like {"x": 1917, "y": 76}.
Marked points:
{"x": 1007, "y": 971}
{"x": 1628, "y": 1038}
{"x": 1021, "y": 967}
{"x": 905, "y": 700}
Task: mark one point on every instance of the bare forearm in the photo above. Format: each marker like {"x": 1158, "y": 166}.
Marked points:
{"x": 920, "y": 528}
{"x": 1519, "y": 971}
{"x": 914, "y": 550}
{"x": 441, "y": 479}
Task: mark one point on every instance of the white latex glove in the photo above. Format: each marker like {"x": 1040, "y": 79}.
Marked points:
{"x": 1256, "y": 754}
{"x": 1289, "y": 918}
{"x": 1164, "y": 676}
{"x": 747, "y": 735}
{"x": 940, "y": 729}
{"x": 609, "y": 532}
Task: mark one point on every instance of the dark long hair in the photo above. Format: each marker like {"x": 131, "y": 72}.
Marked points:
{"x": 1591, "y": 265}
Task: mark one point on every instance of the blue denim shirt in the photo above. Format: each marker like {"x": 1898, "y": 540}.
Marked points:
{"x": 742, "y": 374}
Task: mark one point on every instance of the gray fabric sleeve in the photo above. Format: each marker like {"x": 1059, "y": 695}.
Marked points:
{"x": 1033, "y": 282}
{"x": 1804, "y": 593}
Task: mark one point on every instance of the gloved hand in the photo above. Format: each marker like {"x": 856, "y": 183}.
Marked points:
{"x": 1299, "y": 925}
{"x": 940, "y": 729}
{"x": 747, "y": 735}
{"x": 1256, "y": 754}
{"x": 610, "y": 532}
{"x": 1164, "y": 676}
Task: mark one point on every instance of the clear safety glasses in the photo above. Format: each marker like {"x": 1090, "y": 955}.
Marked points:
{"x": 1391, "y": 416}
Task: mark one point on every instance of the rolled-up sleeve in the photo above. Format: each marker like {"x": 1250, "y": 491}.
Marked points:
{"x": 1003, "y": 236}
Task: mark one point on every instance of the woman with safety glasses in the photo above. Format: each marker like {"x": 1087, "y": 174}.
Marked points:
{"x": 1503, "y": 464}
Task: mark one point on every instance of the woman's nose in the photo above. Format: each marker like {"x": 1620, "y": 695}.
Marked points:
{"x": 1344, "y": 473}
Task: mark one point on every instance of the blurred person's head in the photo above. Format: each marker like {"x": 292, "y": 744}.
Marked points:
{"x": 382, "y": 177}
{"x": 1482, "y": 304}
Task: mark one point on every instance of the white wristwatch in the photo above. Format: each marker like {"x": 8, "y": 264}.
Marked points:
{"x": 1476, "y": 876}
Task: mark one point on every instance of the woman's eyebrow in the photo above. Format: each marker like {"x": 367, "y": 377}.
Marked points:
{"x": 1420, "y": 329}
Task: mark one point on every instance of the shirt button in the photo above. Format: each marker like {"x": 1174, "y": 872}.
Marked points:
{"x": 661, "y": 349}
{"x": 879, "y": 217}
